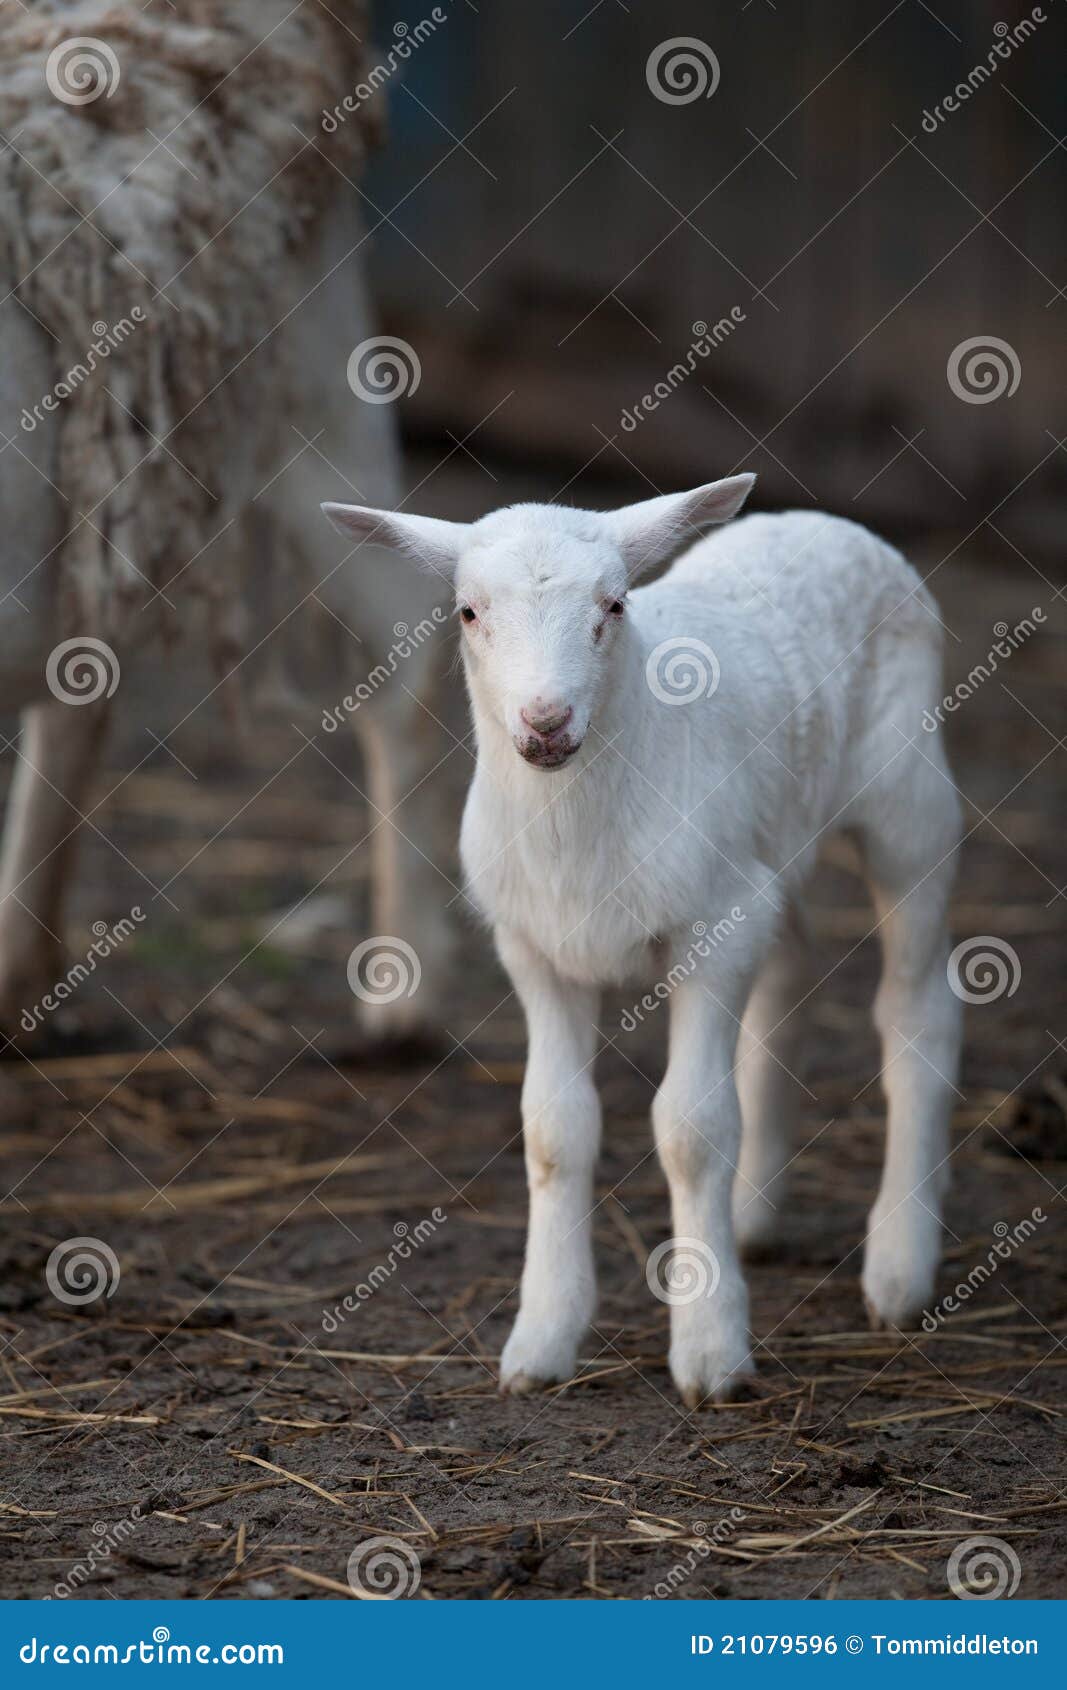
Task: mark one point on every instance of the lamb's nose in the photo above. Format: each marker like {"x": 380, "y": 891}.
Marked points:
{"x": 546, "y": 719}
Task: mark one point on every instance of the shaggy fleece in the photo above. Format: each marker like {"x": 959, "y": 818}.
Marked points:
{"x": 157, "y": 231}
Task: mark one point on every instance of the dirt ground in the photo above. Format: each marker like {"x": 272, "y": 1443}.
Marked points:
{"x": 202, "y": 1432}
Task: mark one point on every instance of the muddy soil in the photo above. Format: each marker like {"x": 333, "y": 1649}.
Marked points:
{"x": 221, "y": 1425}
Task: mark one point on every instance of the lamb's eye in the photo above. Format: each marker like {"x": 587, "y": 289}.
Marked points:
{"x": 467, "y": 613}
{"x": 615, "y": 608}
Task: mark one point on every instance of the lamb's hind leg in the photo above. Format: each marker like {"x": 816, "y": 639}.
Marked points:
{"x": 769, "y": 1060}
{"x": 911, "y": 862}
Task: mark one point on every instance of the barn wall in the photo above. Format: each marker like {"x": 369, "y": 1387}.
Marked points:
{"x": 858, "y": 253}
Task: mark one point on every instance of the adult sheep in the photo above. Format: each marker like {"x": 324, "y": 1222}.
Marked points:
{"x": 180, "y": 249}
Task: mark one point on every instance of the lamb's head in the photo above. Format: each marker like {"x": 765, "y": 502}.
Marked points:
{"x": 541, "y": 596}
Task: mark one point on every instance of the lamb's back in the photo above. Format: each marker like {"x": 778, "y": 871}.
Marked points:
{"x": 817, "y": 571}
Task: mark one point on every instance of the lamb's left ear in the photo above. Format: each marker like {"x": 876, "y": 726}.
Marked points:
{"x": 647, "y": 534}
{"x": 431, "y": 541}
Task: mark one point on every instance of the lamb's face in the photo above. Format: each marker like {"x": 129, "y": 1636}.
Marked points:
{"x": 540, "y": 595}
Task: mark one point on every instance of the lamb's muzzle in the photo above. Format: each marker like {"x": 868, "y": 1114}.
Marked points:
{"x": 547, "y": 745}
{"x": 716, "y": 726}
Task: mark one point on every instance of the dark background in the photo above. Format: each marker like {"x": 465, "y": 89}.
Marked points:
{"x": 247, "y": 1172}
{"x": 549, "y": 269}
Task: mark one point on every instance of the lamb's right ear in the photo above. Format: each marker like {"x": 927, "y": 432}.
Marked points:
{"x": 431, "y": 541}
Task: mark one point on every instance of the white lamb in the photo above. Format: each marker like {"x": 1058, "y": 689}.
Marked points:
{"x": 620, "y": 803}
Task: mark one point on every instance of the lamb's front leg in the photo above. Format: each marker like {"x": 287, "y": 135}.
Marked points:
{"x": 561, "y": 1133}
{"x": 697, "y": 1121}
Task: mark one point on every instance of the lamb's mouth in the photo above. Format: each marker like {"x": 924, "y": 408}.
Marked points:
{"x": 547, "y": 754}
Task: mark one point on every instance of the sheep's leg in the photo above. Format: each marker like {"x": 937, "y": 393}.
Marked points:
{"x": 390, "y": 621}
{"x": 919, "y": 1020}
{"x": 697, "y": 1122}
{"x": 57, "y": 756}
{"x": 769, "y": 1059}
{"x": 402, "y": 747}
{"x": 561, "y": 1131}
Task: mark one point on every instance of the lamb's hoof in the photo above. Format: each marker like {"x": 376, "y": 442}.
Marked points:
{"x": 903, "y": 1317}
{"x": 711, "y": 1374}
{"x": 897, "y": 1291}
{"x": 900, "y": 1264}
{"x": 523, "y": 1385}
{"x": 534, "y": 1358}
{"x": 729, "y": 1390}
